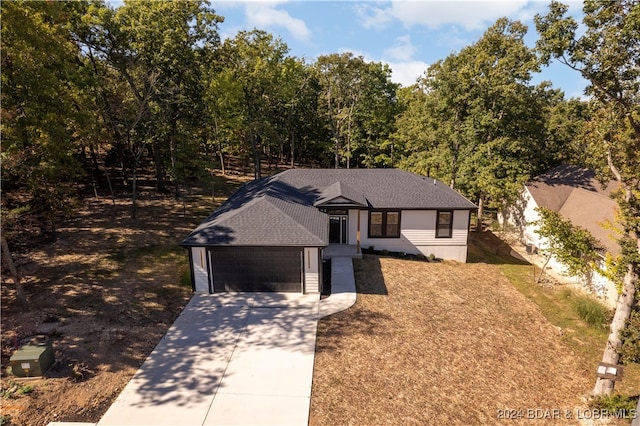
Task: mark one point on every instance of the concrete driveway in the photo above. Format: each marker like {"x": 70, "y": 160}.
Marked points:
{"x": 232, "y": 358}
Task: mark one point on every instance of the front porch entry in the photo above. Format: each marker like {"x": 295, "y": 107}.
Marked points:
{"x": 338, "y": 229}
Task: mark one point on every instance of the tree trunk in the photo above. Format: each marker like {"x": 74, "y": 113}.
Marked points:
{"x": 134, "y": 189}
{"x": 625, "y": 299}
{"x": 160, "y": 184}
{"x": 292, "y": 144}
{"x": 337, "y": 152}
{"x": 255, "y": 147}
{"x": 94, "y": 162}
{"x": 106, "y": 174}
{"x": 543, "y": 268}
{"x": 6, "y": 255}
{"x": 480, "y": 209}
{"x": 622, "y": 314}
{"x": 222, "y": 168}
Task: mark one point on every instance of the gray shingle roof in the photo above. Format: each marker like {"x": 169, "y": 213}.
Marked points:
{"x": 383, "y": 188}
{"x": 279, "y": 210}
{"x": 341, "y": 190}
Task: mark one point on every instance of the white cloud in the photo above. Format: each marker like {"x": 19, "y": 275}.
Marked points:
{"x": 403, "y": 50}
{"x": 400, "y": 58}
{"x": 406, "y": 73}
{"x": 470, "y": 14}
{"x": 372, "y": 17}
{"x": 404, "y": 69}
{"x": 265, "y": 14}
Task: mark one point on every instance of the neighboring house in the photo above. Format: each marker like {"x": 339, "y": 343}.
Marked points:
{"x": 271, "y": 233}
{"x": 577, "y": 196}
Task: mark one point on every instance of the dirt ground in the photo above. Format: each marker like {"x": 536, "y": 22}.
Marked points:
{"x": 104, "y": 293}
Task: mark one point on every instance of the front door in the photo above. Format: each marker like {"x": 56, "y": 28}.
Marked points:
{"x": 338, "y": 229}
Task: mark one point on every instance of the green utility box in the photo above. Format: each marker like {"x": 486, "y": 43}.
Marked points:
{"x": 33, "y": 359}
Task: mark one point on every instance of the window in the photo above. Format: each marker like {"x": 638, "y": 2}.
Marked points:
{"x": 384, "y": 224}
{"x": 444, "y": 224}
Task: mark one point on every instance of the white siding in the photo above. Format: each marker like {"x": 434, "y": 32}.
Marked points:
{"x": 418, "y": 235}
{"x": 311, "y": 270}
{"x": 604, "y": 288}
{"x": 531, "y": 215}
{"x": 199, "y": 257}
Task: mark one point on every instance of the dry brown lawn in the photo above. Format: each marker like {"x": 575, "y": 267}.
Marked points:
{"x": 440, "y": 343}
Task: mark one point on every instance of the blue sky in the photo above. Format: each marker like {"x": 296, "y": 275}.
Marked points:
{"x": 407, "y": 35}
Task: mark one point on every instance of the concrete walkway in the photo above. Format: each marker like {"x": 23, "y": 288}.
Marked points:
{"x": 343, "y": 288}
{"x": 234, "y": 359}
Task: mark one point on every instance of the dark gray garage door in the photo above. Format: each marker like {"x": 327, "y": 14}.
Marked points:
{"x": 256, "y": 269}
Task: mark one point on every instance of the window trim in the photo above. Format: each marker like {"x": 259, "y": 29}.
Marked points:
{"x": 384, "y": 223}
{"x": 450, "y": 228}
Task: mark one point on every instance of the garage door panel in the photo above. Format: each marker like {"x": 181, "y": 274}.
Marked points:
{"x": 257, "y": 269}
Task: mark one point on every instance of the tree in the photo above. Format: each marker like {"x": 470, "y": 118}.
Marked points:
{"x": 252, "y": 66}
{"x": 357, "y": 103}
{"x": 42, "y": 105}
{"x": 146, "y": 57}
{"x": 607, "y": 55}
{"x": 434, "y": 127}
{"x": 483, "y": 121}
{"x": 375, "y": 117}
{"x": 572, "y": 246}
{"x": 8, "y": 261}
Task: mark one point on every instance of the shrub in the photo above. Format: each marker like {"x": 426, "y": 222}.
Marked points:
{"x": 185, "y": 278}
{"x": 621, "y": 405}
{"x": 630, "y": 350}
{"x": 592, "y": 311}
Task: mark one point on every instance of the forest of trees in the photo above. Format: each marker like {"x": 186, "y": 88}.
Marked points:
{"x": 94, "y": 97}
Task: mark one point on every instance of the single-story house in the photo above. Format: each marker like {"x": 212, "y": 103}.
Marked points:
{"x": 271, "y": 233}
{"x": 577, "y": 195}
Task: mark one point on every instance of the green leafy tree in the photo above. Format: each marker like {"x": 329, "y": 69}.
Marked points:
{"x": 434, "y": 127}
{"x": 146, "y": 57}
{"x": 42, "y": 106}
{"x": 564, "y": 126}
{"x": 253, "y": 68}
{"x": 630, "y": 349}
{"x": 375, "y": 117}
{"x": 572, "y": 246}
{"x": 358, "y": 104}
{"x": 483, "y": 121}
{"x": 607, "y": 55}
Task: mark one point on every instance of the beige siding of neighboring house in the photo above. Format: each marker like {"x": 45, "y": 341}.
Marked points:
{"x": 311, "y": 270}
{"x": 418, "y": 235}
{"x": 199, "y": 258}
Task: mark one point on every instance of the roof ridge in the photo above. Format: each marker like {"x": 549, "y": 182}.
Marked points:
{"x": 234, "y": 212}
{"x": 269, "y": 198}
{"x": 577, "y": 188}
